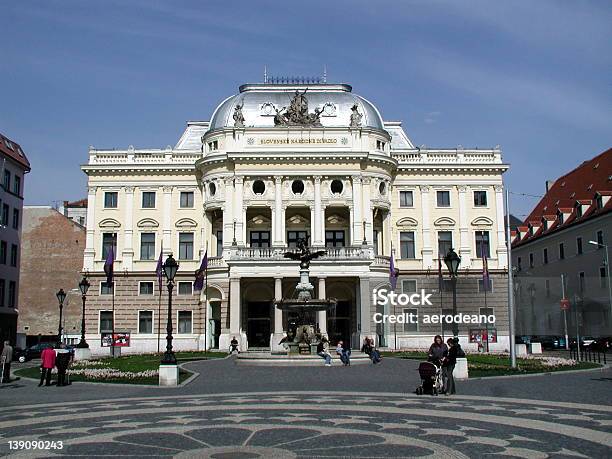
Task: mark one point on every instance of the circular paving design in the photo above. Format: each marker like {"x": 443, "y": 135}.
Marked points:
{"x": 312, "y": 424}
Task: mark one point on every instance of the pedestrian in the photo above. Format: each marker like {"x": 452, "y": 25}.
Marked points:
{"x": 62, "y": 361}
{"x": 323, "y": 352}
{"x": 234, "y": 346}
{"x": 345, "y": 354}
{"x": 47, "y": 364}
{"x": 437, "y": 351}
{"x": 6, "y": 356}
{"x": 448, "y": 366}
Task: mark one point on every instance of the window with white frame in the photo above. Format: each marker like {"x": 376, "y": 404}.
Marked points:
{"x": 145, "y": 321}
{"x": 110, "y": 199}
{"x": 185, "y": 288}
{"x": 186, "y": 199}
{"x": 483, "y": 244}
{"x": 145, "y": 288}
{"x": 184, "y": 322}
{"x": 406, "y": 199}
{"x": 480, "y": 198}
{"x": 185, "y": 246}
{"x": 408, "y": 325}
{"x": 407, "y": 250}
{"x": 445, "y": 242}
{"x": 147, "y": 246}
{"x": 409, "y": 286}
{"x": 105, "y": 324}
{"x": 106, "y": 288}
{"x": 443, "y": 198}
{"x": 148, "y": 199}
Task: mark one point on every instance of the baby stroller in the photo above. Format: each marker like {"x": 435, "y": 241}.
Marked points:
{"x": 431, "y": 379}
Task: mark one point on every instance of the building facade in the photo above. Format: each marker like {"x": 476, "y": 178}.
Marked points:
{"x": 50, "y": 245}
{"x": 567, "y": 235}
{"x": 15, "y": 166}
{"x": 75, "y": 211}
{"x": 279, "y": 162}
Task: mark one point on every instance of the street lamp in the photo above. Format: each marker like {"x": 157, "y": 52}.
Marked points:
{"x": 452, "y": 261}
{"x": 170, "y": 268}
{"x": 61, "y": 296}
{"x": 83, "y": 286}
{"x": 607, "y": 259}
{"x": 532, "y": 294}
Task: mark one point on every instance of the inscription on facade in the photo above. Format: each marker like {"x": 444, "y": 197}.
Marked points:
{"x": 296, "y": 141}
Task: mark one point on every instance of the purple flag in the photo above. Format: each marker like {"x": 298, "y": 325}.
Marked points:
{"x": 485, "y": 269}
{"x": 393, "y": 273}
{"x": 108, "y": 266}
{"x": 198, "y": 284}
{"x": 158, "y": 269}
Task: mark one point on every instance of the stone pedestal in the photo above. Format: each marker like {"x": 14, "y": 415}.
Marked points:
{"x": 168, "y": 375}
{"x": 521, "y": 350}
{"x": 461, "y": 369}
{"x": 536, "y": 348}
{"x": 276, "y": 348}
{"x": 82, "y": 353}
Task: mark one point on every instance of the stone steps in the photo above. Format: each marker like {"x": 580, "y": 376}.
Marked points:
{"x": 268, "y": 359}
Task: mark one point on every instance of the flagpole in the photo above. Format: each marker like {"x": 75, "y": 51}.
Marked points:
{"x": 441, "y": 288}
{"x": 206, "y": 299}
{"x": 159, "y": 317}
{"x": 486, "y": 287}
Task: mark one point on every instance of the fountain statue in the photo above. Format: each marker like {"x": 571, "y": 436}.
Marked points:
{"x": 302, "y": 336}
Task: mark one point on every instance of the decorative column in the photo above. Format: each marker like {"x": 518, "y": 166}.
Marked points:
{"x": 239, "y": 212}
{"x": 228, "y": 213}
{"x": 90, "y": 251}
{"x": 322, "y": 225}
{"x": 464, "y": 248}
{"x": 167, "y": 223}
{"x": 384, "y": 246}
{"x": 367, "y": 211}
{"x": 318, "y": 237}
{"x": 278, "y": 332}
{"x": 313, "y": 226}
{"x": 426, "y": 228}
{"x": 283, "y": 226}
{"x": 278, "y": 215}
{"x": 127, "y": 253}
{"x": 235, "y": 312}
{"x": 322, "y": 315}
{"x": 502, "y": 250}
{"x": 365, "y": 309}
{"x": 357, "y": 229}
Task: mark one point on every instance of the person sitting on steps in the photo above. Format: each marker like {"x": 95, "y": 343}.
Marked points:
{"x": 234, "y": 346}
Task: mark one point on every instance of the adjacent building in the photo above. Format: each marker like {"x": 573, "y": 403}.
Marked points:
{"x": 567, "y": 235}
{"x": 75, "y": 211}
{"x": 14, "y": 165}
{"x": 51, "y": 248}
{"x": 275, "y": 163}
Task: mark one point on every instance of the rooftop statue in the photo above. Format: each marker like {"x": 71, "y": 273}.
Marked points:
{"x": 297, "y": 113}
{"x": 238, "y": 116}
{"x": 355, "y": 117}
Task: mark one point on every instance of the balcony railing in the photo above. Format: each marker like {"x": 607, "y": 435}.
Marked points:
{"x": 278, "y": 254}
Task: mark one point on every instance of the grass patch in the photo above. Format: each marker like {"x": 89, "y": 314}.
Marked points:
{"x": 116, "y": 370}
{"x": 485, "y": 365}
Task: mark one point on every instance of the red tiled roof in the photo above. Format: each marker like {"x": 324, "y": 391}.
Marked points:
{"x": 13, "y": 150}
{"x": 79, "y": 203}
{"x": 581, "y": 185}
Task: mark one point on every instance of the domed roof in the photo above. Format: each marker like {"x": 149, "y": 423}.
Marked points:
{"x": 260, "y": 102}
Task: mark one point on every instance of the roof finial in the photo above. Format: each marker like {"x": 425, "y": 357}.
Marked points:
{"x": 265, "y": 74}
{"x": 324, "y": 73}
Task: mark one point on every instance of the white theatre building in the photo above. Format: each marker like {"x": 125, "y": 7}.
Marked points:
{"x": 275, "y": 163}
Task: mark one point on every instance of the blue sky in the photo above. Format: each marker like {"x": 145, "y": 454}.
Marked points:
{"x": 533, "y": 77}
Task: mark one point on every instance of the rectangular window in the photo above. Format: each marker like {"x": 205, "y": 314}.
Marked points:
{"x": 443, "y": 198}
{"x": 409, "y": 286}
{"x": 581, "y": 283}
{"x": 5, "y": 215}
{"x": 185, "y": 246}
{"x": 15, "y": 218}
{"x": 600, "y": 239}
{"x": 184, "y": 321}
{"x": 531, "y": 260}
{"x": 294, "y": 236}
{"x": 480, "y": 198}
{"x": 259, "y": 239}
{"x": 147, "y": 246}
{"x": 561, "y": 251}
{"x": 186, "y": 199}
{"x": 481, "y": 285}
{"x": 406, "y": 199}
{"x": 483, "y": 245}
{"x": 145, "y": 288}
{"x": 3, "y": 252}
{"x": 407, "y": 250}
{"x": 14, "y": 250}
{"x": 145, "y": 321}
{"x": 2, "y": 290}
{"x": 547, "y": 287}
{"x": 185, "y": 288}
{"x": 106, "y": 288}
{"x": 219, "y": 243}
{"x": 545, "y": 256}
{"x": 579, "y": 210}
{"x": 110, "y": 199}
{"x": 334, "y": 238}
{"x": 518, "y": 263}
{"x": 603, "y": 278}
{"x": 375, "y": 234}
{"x": 148, "y": 199}
{"x": 17, "y": 185}
{"x": 579, "y": 246}
{"x": 408, "y": 326}
{"x": 7, "y": 180}
{"x": 109, "y": 240}
{"x": 106, "y": 321}
{"x": 12, "y": 294}
{"x": 445, "y": 242}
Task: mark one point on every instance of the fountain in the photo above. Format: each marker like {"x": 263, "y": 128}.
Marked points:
{"x": 302, "y": 337}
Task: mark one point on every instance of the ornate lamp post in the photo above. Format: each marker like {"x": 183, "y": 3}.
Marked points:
{"x": 170, "y": 268}
{"x": 83, "y": 286}
{"x": 452, "y": 261}
{"x": 61, "y": 296}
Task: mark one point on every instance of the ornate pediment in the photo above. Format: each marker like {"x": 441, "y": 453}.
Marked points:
{"x": 407, "y": 221}
{"x": 186, "y": 223}
{"x": 260, "y": 220}
{"x": 335, "y": 220}
{"x": 444, "y": 221}
{"x": 297, "y": 220}
{"x": 109, "y": 223}
{"x": 482, "y": 221}
{"x": 147, "y": 223}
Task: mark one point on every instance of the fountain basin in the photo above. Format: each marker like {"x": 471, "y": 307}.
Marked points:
{"x": 298, "y": 305}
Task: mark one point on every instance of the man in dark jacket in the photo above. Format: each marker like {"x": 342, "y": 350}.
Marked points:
{"x": 6, "y": 356}
{"x": 61, "y": 362}
{"x": 448, "y": 366}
